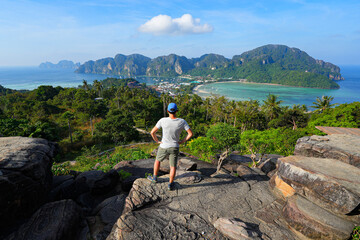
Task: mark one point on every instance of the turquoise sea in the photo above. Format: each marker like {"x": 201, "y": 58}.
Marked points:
{"x": 32, "y": 77}
{"x": 349, "y": 90}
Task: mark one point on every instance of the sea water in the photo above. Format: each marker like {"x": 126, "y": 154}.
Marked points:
{"x": 30, "y": 78}
{"x": 349, "y": 90}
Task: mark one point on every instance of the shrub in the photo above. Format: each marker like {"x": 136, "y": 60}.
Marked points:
{"x": 356, "y": 233}
{"x": 203, "y": 147}
{"x": 60, "y": 169}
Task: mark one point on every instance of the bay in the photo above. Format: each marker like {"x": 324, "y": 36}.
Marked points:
{"x": 349, "y": 90}
{"x": 30, "y": 78}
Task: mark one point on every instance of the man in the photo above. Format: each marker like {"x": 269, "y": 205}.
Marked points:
{"x": 169, "y": 144}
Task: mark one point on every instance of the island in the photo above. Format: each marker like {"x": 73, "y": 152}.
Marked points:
{"x": 63, "y": 64}
{"x": 271, "y": 64}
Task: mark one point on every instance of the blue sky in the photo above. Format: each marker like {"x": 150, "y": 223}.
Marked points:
{"x": 32, "y": 31}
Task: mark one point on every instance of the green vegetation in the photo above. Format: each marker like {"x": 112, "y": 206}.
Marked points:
{"x": 90, "y": 159}
{"x": 4, "y": 91}
{"x": 85, "y": 125}
{"x": 225, "y": 137}
{"x": 356, "y": 233}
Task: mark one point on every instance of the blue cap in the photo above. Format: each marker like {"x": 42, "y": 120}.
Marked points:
{"x": 172, "y": 107}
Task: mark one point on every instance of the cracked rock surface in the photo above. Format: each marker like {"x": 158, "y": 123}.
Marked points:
{"x": 190, "y": 211}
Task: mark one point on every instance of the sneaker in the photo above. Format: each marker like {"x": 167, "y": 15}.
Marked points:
{"x": 152, "y": 178}
{"x": 171, "y": 186}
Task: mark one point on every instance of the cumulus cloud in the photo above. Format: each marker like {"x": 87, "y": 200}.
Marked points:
{"x": 165, "y": 25}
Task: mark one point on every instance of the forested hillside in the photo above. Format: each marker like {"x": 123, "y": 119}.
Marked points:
{"x": 267, "y": 64}
{"x": 104, "y": 114}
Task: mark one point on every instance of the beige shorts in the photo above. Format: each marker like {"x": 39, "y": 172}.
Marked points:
{"x": 172, "y": 153}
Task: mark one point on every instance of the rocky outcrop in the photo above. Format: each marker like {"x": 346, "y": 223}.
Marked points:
{"x": 343, "y": 147}
{"x": 191, "y": 211}
{"x": 305, "y": 197}
{"x": 55, "y": 221}
{"x": 315, "y": 222}
{"x": 321, "y": 186}
{"x": 105, "y": 215}
{"x": 25, "y": 176}
{"x": 330, "y": 183}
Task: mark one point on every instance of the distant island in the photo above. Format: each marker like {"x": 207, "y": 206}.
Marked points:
{"x": 63, "y": 64}
{"x": 276, "y": 64}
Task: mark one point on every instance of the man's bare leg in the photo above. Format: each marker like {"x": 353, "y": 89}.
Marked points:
{"x": 172, "y": 174}
{"x": 156, "y": 167}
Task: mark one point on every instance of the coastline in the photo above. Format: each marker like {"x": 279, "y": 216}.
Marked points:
{"x": 196, "y": 89}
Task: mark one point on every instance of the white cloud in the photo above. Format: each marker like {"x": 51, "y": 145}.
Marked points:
{"x": 165, "y": 25}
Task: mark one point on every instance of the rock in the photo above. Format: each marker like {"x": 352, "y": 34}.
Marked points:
{"x": 343, "y": 147}
{"x": 25, "y": 164}
{"x": 106, "y": 183}
{"x": 315, "y": 222}
{"x": 184, "y": 163}
{"x": 137, "y": 168}
{"x": 106, "y": 214}
{"x": 268, "y": 165}
{"x": 236, "y": 229}
{"x": 70, "y": 189}
{"x": 56, "y": 220}
{"x": 90, "y": 178}
{"x": 190, "y": 211}
{"x": 110, "y": 209}
{"x": 274, "y": 224}
{"x": 251, "y": 175}
{"x": 240, "y": 159}
{"x": 127, "y": 183}
{"x": 163, "y": 223}
{"x": 88, "y": 189}
{"x": 188, "y": 177}
{"x": 281, "y": 188}
{"x": 60, "y": 189}
{"x": 58, "y": 180}
{"x": 330, "y": 183}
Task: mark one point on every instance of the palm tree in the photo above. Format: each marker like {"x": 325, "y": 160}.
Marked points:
{"x": 85, "y": 85}
{"x": 323, "y": 103}
{"x": 272, "y": 106}
{"x": 68, "y": 116}
{"x": 98, "y": 86}
{"x": 207, "y": 104}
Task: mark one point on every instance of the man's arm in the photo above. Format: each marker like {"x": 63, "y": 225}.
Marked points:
{"x": 153, "y": 134}
{"x": 189, "y": 135}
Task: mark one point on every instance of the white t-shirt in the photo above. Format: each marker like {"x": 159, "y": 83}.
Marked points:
{"x": 171, "y": 131}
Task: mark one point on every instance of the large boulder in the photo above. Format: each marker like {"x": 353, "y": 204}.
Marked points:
{"x": 184, "y": 163}
{"x": 53, "y": 221}
{"x": 87, "y": 184}
{"x": 25, "y": 176}
{"x": 190, "y": 211}
{"x": 330, "y": 183}
{"x": 105, "y": 215}
{"x": 315, "y": 222}
{"x": 343, "y": 147}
